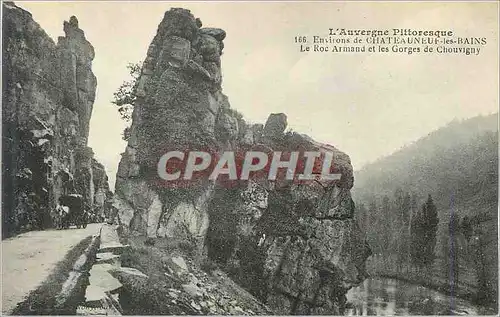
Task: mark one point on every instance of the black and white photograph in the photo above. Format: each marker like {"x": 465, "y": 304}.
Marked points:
{"x": 250, "y": 158}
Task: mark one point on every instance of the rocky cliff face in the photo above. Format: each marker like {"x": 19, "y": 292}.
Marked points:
{"x": 48, "y": 94}
{"x": 295, "y": 246}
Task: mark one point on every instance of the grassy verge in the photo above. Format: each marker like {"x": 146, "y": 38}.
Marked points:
{"x": 42, "y": 300}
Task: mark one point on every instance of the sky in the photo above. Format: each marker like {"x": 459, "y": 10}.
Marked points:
{"x": 367, "y": 105}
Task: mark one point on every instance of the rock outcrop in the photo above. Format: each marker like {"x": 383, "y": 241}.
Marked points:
{"x": 178, "y": 105}
{"x": 48, "y": 94}
{"x": 295, "y": 246}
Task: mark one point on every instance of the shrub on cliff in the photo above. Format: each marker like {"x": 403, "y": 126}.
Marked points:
{"x": 125, "y": 96}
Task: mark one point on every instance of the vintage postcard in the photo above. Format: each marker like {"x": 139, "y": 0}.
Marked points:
{"x": 250, "y": 158}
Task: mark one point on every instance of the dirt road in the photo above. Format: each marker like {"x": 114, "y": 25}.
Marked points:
{"x": 29, "y": 258}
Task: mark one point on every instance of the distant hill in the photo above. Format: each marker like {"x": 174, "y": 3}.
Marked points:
{"x": 459, "y": 160}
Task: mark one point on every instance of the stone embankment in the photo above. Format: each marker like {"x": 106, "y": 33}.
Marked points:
{"x": 172, "y": 284}
{"x": 101, "y": 295}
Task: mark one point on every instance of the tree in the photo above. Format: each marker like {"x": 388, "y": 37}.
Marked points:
{"x": 386, "y": 225}
{"x": 361, "y": 216}
{"x": 400, "y": 231}
{"x": 125, "y": 96}
{"x": 479, "y": 242}
{"x": 406, "y": 209}
{"x": 452, "y": 256}
{"x": 373, "y": 236}
{"x": 423, "y": 234}
{"x": 466, "y": 228}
